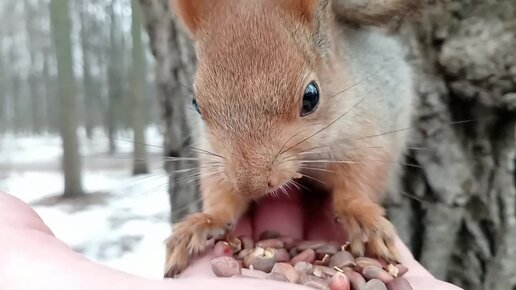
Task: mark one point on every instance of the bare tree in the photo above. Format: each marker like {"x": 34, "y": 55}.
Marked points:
{"x": 138, "y": 83}
{"x": 68, "y": 117}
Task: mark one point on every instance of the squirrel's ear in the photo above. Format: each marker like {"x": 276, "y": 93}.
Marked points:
{"x": 374, "y": 12}
{"x": 190, "y": 12}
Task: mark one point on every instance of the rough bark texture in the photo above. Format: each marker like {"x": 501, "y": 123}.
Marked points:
{"x": 456, "y": 212}
{"x": 175, "y": 64}
{"x": 68, "y": 117}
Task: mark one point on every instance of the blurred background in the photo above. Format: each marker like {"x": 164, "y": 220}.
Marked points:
{"x": 94, "y": 104}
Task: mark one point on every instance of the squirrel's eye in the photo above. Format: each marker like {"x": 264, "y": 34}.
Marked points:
{"x": 310, "y": 99}
{"x": 196, "y": 106}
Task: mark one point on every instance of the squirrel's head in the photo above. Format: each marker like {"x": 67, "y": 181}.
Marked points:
{"x": 264, "y": 86}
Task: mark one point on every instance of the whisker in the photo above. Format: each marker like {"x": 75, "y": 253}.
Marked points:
{"x": 362, "y": 161}
{"x": 315, "y": 179}
{"x": 207, "y": 152}
{"x": 317, "y": 169}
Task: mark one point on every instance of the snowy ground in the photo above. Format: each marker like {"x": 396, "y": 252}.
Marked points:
{"x": 122, "y": 222}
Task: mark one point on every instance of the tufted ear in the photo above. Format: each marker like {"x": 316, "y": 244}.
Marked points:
{"x": 191, "y": 12}
{"x": 374, "y": 12}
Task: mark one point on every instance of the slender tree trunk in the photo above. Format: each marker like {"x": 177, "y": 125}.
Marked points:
{"x": 90, "y": 92}
{"x": 175, "y": 66}
{"x": 138, "y": 82}
{"x": 115, "y": 72}
{"x": 61, "y": 29}
{"x": 36, "y": 102}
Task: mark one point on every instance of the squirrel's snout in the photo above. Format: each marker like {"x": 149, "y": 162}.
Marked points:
{"x": 257, "y": 185}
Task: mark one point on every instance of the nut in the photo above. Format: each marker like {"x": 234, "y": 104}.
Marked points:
{"x": 222, "y": 249}
{"x": 270, "y": 243}
{"x": 235, "y": 243}
{"x": 307, "y": 255}
{"x": 317, "y": 272}
{"x": 287, "y": 270}
{"x": 341, "y": 259}
{"x": 269, "y": 235}
{"x": 393, "y": 270}
{"x": 261, "y": 259}
{"x": 310, "y": 245}
{"x": 363, "y": 262}
{"x": 289, "y": 242}
{"x": 375, "y": 284}
{"x": 282, "y": 255}
{"x": 356, "y": 280}
{"x": 399, "y": 284}
{"x": 244, "y": 253}
{"x": 303, "y": 267}
{"x": 293, "y": 252}
{"x": 329, "y": 249}
{"x": 225, "y": 267}
{"x": 374, "y": 272}
{"x": 327, "y": 271}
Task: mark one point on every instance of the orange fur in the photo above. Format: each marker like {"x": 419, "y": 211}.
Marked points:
{"x": 255, "y": 58}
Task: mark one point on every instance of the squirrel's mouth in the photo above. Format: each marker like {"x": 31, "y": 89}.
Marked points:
{"x": 311, "y": 191}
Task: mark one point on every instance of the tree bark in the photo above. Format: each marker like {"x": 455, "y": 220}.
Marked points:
{"x": 61, "y": 29}
{"x": 175, "y": 64}
{"x": 458, "y": 212}
{"x": 138, "y": 82}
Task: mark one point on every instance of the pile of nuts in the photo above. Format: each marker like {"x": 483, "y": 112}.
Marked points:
{"x": 315, "y": 264}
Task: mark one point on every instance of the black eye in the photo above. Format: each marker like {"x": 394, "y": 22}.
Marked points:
{"x": 196, "y": 106}
{"x": 310, "y": 99}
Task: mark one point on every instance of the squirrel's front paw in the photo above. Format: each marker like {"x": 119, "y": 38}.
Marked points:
{"x": 189, "y": 239}
{"x": 371, "y": 236}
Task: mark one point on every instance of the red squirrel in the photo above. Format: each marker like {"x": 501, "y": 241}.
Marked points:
{"x": 288, "y": 89}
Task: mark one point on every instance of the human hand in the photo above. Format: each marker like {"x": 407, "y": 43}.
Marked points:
{"x": 32, "y": 258}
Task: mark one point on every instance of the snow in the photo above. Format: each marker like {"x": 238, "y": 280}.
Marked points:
{"x": 124, "y": 220}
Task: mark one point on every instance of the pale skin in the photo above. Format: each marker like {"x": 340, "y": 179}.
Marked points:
{"x": 31, "y": 257}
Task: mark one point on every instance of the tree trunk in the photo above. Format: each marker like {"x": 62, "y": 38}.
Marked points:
{"x": 115, "y": 72}
{"x": 458, "y": 212}
{"x": 61, "y": 28}
{"x": 36, "y": 101}
{"x": 138, "y": 82}
{"x": 175, "y": 63}
{"x": 90, "y": 92}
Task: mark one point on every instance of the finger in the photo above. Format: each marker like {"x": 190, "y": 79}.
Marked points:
{"x": 415, "y": 269}
{"x": 283, "y": 214}
{"x": 426, "y": 283}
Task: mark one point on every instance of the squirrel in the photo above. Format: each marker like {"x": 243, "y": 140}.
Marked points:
{"x": 293, "y": 90}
